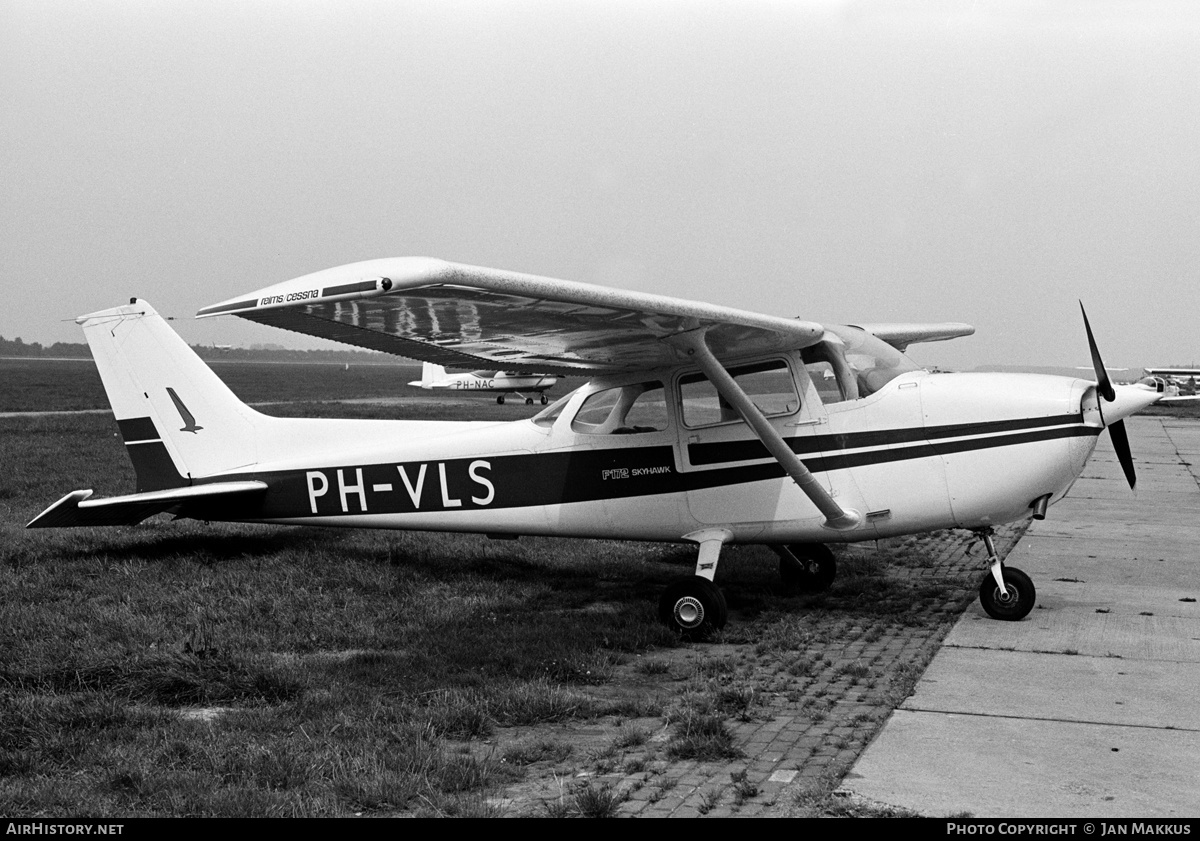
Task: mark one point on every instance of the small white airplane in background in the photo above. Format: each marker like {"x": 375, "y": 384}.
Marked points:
{"x": 700, "y": 423}
{"x": 435, "y": 378}
{"x": 1177, "y": 385}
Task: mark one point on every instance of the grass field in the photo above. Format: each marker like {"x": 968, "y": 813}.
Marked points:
{"x": 40, "y": 385}
{"x": 181, "y": 668}
{"x": 392, "y": 641}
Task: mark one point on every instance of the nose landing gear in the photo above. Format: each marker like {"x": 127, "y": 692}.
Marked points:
{"x": 1005, "y": 593}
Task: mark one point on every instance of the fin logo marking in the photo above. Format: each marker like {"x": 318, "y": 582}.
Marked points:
{"x": 189, "y": 421}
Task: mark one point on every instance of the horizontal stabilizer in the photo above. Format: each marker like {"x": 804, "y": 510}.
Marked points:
{"x": 76, "y": 509}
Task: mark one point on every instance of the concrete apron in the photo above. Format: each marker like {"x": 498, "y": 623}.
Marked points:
{"x": 1090, "y": 706}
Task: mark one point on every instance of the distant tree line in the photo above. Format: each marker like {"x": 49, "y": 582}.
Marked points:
{"x": 79, "y": 350}
{"x": 17, "y": 347}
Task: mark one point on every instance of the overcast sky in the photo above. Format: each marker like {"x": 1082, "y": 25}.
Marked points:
{"x": 987, "y": 162}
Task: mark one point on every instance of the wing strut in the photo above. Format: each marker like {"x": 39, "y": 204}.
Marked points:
{"x": 696, "y": 347}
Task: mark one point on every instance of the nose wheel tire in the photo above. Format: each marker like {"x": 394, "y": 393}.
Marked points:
{"x": 815, "y": 571}
{"x": 693, "y": 606}
{"x": 1012, "y": 605}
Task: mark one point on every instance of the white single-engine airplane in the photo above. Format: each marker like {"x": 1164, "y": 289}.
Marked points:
{"x": 435, "y": 378}
{"x": 701, "y": 423}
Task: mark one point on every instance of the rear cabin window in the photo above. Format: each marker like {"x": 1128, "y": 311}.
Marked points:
{"x": 769, "y": 385}
{"x": 624, "y": 410}
{"x": 546, "y": 417}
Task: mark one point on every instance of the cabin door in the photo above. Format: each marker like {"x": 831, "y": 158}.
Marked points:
{"x": 731, "y": 478}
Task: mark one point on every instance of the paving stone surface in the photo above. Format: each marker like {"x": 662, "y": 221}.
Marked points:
{"x": 801, "y": 692}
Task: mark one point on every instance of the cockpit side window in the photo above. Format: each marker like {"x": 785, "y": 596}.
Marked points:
{"x": 875, "y": 363}
{"x": 769, "y": 385}
{"x": 830, "y": 372}
{"x": 858, "y": 362}
{"x": 623, "y": 410}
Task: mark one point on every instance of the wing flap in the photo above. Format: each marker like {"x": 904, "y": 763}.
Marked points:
{"x": 77, "y": 509}
{"x": 462, "y": 316}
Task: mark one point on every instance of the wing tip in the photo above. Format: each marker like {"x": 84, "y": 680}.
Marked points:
{"x": 361, "y": 279}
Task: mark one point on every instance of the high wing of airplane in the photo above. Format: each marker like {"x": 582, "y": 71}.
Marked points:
{"x": 500, "y": 383}
{"x": 700, "y": 424}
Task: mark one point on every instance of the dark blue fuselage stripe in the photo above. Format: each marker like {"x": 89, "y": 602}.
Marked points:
{"x": 748, "y": 450}
{"x": 345, "y": 288}
{"x": 237, "y": 305}
{"x": 134, "y": 430}
{"x": 153, "y": 465}
{"x": 515, "y": 481}
{"x": 944, "y": 448}
{"x": 151, "y": 462}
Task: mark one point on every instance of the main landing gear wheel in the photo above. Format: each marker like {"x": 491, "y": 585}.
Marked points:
{"x": 1010, "y": 606}
{"x": 500, "y": 400}
{"x": 545, "y": 400}
{"x": 815, "y": 571}
{"x": 528, "y": 401}
{"x": 693, "y": 606}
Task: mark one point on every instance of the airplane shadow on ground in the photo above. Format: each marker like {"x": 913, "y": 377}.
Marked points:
{"x": 578, "y": 572}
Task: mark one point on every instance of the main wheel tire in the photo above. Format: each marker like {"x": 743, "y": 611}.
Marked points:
{"x": 814, "y": 574}
{"x": 500, "y": 400}
{"x": 528, "y": 401}
{"x": 545, "y": 400}
{"x": 693, "y": 606}
{"x": 1013, "y": 605}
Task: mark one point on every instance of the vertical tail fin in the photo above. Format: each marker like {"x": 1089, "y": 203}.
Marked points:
{"x": 178, "y": 419}
{"x": 430, "y": 374}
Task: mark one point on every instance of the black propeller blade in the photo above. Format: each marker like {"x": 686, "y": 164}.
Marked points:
{"x": 1120, "y": 442}
{"x": 1103, "y": 383}
{"x": 1116, "y": 431}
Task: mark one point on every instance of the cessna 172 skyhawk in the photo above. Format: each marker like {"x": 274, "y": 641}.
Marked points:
{"x": 435, "y": 378}
{"x": 701, "y": 423}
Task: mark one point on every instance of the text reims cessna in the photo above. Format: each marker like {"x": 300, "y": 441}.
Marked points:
{"x": 700, "y": 423}
{"x": 435, "y": 378}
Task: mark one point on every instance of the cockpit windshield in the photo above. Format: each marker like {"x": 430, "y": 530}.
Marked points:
{"x": 850, "y": 363}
